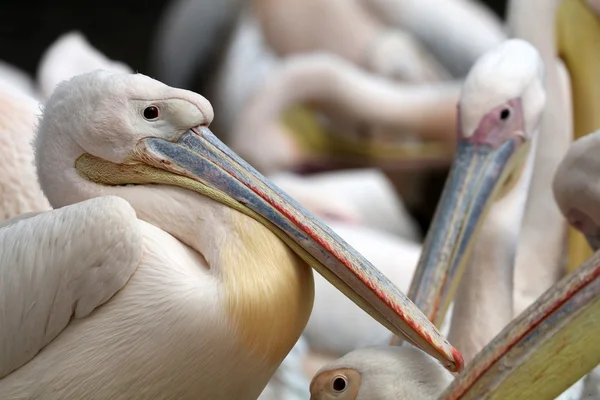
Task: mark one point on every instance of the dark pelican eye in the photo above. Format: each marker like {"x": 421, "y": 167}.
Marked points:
{"x": 339, "y": 384}
{"x": 151, "y": 112}
{"x": 504, "y": 114}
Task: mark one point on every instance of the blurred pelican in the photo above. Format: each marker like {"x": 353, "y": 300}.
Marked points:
{"x": 576, "y": 190}
{"x": 292, "y": 27}
{"x": 578, "y": 33}
{"x": 19, "y": 189}
{"x": 71, "y": 54}
{"x": 16, "y": 81}
{"x": 501, "y": 103}
{"x": 456, "y": 32}
{"x": 201, "y": 295}
{"x": 423, "y": 112}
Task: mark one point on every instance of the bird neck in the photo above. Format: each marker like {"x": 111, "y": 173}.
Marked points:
{"x": 543, "y": 226}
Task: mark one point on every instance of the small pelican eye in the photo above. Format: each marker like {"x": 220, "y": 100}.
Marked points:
{"x": 339, "y": 384}
{"x": 504, "y": 114}
{"x": 151, "y": 112}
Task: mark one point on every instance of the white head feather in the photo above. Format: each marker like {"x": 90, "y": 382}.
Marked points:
{"x": 518, "y": 71}
{"x": 70, "y": 55}
{"x": 102, "y": 113}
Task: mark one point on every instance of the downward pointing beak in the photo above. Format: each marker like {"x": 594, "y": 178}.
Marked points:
{"x": 484, "y": 165}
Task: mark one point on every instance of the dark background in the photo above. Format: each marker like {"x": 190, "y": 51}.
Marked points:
{"x": 122, "y": 29}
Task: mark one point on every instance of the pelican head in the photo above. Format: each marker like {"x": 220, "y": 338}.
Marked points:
{"x": 128, "y": 129}
{"x": 575, "y": 188}
{"x": 383, "y": 373}
{"x": 500, "y": 106}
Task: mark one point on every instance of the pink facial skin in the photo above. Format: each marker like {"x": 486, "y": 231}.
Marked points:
{"x": 503, "y": 123}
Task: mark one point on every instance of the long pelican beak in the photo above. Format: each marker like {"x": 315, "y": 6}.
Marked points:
{"x": 486, "y": 164}
{"x": 577, "y": 36}
{"x": 200, "y": 162}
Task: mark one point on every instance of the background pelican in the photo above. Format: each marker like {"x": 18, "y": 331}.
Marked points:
{"x": 456, "y": 32}
{"x": 19, "y": 189}
{"x": 71, "y": 54}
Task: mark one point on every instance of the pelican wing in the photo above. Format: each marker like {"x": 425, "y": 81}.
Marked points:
{"x": 60, "y": 265}
{"x": 545, "y": 350}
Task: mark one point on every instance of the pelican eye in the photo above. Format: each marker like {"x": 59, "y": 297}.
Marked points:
{"x": 339, "y": 384}
{"x": 504, "y": 114}
{"x": 151, "y": 112}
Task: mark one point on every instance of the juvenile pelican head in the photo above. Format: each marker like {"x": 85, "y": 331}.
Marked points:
{"x": 576, "y": 188}
{"x": 499, "y": 109}
{"x": 381, "y": 373}
{"x": 125, "y": 129}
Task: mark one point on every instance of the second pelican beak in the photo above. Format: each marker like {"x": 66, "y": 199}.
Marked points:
{"x": 198, "y": 161}
{"x": 486, "y": 164}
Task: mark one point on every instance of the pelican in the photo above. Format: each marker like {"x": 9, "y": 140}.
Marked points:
{"x": 19, "y": 189}
{"x": 15, "y": 80}
{"x": 182, "y": 272}
{"x": 499, "y": 111}
{"x": 502, "y": 100}
{"x": 578, "y": 32}
{"x": 575, "y": 190}
{"x": 307, "y": 26}
{"x": 456, "y": 32}
{"x": 354, "y": 98}
{"x": 71, "y": 54}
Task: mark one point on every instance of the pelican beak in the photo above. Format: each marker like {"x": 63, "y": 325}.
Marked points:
{"x": 199, "y": 161}
{"x": 485, "y": 165}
